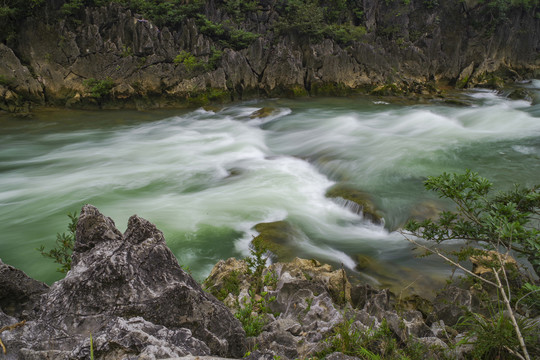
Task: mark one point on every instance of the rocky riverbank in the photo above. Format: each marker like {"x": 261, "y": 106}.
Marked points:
{"x": 112, "y": 56}
{"x": 126, "y": 297}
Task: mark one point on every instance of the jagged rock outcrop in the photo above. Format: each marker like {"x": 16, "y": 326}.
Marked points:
{"x": 307, "y": 301}
{"x": 19, "y": 294}
{"x": 404, "y": 47}
{"x": 129, "y": 292}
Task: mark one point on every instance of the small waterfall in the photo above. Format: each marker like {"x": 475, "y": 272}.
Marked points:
{"x": 350, "y": 205}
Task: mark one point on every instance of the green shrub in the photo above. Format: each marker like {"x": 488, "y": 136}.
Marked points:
{"x": 493, "y": 337}
{"x": 7, "y": 82}
{"x": 345, "y": 34}
{"x": 190, "y": 62}
{"x": 302, "y": 17}
{"x": 239, "y": 8}
{"x": 61, "y": 254}
{"x": 505, "y": 220}
{"x": 99, "y": 88}
{"x": 214, "y": 59}
{"x": 12, "y": 15}
{"x": 372, "y": 343}
{"x": 502, "y": 223}
{"x": 252, "y": 313}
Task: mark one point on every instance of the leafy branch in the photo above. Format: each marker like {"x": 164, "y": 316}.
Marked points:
{"x": 61, "y": 254}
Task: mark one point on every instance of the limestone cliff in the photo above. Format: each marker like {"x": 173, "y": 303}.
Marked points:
{"x": 113, "y": 56}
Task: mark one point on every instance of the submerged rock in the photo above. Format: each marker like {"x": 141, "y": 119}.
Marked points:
{"x": 262, "y": 113}
{"x": 276, "y": 237}
{"x": 357, "y": 201}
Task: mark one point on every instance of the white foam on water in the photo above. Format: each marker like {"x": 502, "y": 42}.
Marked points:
{"x": 221, "y": 168}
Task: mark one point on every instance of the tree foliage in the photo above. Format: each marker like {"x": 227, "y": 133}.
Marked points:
{"x": 61, "y": 254}
{"x": 508, "y": 220}
{"x": 12, "y": 13}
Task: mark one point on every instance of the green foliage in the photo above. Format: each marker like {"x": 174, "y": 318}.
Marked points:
{"x": 12, "y": 15}
{"x": 239, "y": 8}
{"x": 61, "y": 254}
{"x": 231, "y": 285}
{"x": 127, "y": 51}
{"x": 370, "y": 344}
{"x": 99, "y": 88}
{"x": 302, "y": 17}
{"x": 505, "y": 220}
{"x": 256, "y": 263}
{"x": 73, "y": 8}
{"x": 252, "y": 313}
{"x": 498, "y": 9}
{"x": 240, "y": 39}
{"x": 7, "y": 82}
{"x": 190, "y": 62}
{"x": 529, "y": 299}
{"x": 169, "y": 13}
{"x": 345, "y": 34}
{"x": 214, "y": 59}
{"x": 226, "y": 34}
{"x": 493, "y": 336}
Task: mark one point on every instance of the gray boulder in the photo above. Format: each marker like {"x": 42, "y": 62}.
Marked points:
{"x": 129, "y": 292}
{"x": 19, "y": 294}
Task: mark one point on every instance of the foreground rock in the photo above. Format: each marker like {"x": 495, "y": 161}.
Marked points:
{"x": 307, "y": 302}
{"x": 128, "y": 292}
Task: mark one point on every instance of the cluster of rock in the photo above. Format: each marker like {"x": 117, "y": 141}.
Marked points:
{"x": 128, "y": 293}
{"x": 408, "y": 47}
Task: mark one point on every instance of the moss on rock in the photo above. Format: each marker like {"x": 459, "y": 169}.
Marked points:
{"x": 275, "y": 237}
{"x": 262, "y": 113}
{"x": 360, "y": 198}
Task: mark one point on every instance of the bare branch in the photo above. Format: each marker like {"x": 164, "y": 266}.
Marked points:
{"x": 438, "y": 253}
{"x": 511, "y": 314}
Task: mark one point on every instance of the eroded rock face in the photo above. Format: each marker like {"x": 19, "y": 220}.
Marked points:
{"x": 130, "y": 293}
{"x": 407, "y": 48}
{"x": 19, "y": 294}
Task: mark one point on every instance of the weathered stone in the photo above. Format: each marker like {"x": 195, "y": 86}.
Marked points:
{"x": 121, "y": 337}
{"x": 405, "y": 49}
{"x": 451, "y": 304}
{"x": 19, "y": 294}
{"x": 408, "y": 324}
{"x": 334, "y": 281}
{"x": 130, "y": 293}
{"x": 228, "y": 276}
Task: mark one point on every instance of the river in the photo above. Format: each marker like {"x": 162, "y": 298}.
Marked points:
{"x": 206, "y": 177}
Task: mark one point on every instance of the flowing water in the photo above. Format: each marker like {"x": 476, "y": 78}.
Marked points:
{"x": 205, "y": 178}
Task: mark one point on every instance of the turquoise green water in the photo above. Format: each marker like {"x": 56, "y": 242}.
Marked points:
{"x": 205, "y": 178}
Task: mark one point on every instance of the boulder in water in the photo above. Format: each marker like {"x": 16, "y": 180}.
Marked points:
{"x": 357, "y": 201}
{"x": 276, "y": 237}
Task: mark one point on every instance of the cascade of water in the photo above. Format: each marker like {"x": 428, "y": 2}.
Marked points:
{"x": 207, "y": 177}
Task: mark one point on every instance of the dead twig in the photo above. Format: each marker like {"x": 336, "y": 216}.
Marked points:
{"x": 9, "y": 328}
